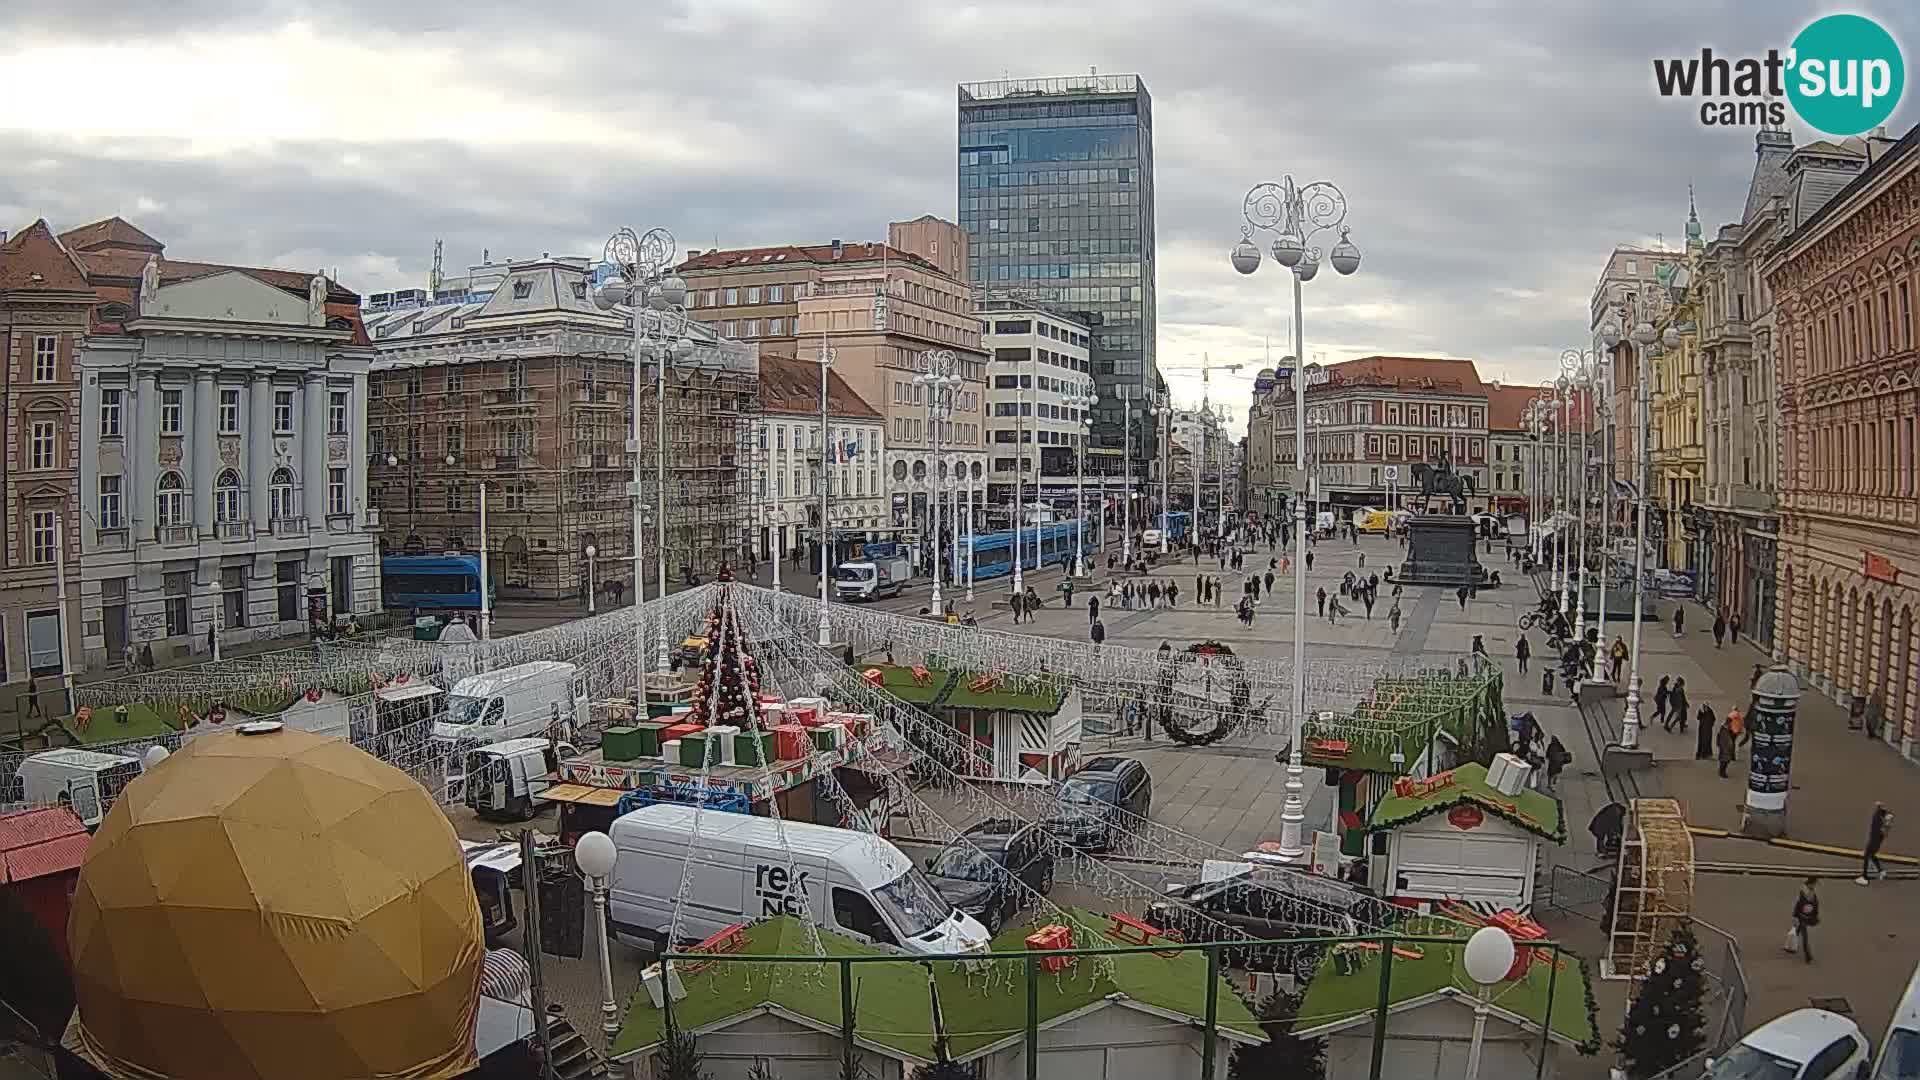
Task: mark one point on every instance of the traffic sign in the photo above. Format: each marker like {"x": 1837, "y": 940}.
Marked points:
{"x": 1393, "y": 472}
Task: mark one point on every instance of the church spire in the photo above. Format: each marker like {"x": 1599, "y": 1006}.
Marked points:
{"x": 1694, "y": 242}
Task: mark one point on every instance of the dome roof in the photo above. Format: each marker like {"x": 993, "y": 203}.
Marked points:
{"x": 276, "y": 905}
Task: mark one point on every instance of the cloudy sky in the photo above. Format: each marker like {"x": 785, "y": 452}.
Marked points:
{"x": 1491, "y": 152}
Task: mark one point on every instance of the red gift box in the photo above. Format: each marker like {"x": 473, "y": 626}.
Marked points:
{"x": 790, "y": 742}
{"x": 1050, "y": 939}
{"x": 803, "y": 714}
{"x": 679, "y": 730}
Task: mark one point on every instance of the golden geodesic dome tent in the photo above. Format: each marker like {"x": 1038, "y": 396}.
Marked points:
{"x": 276, "y": 905}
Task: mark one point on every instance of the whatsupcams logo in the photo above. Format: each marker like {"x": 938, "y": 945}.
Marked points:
{"x": 1843, "y": 75}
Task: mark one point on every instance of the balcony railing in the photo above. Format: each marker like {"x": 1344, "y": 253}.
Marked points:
{"x": 111, "y": 539}
{"x": 290, "y": 526}
{"x": 176, "y": 535}
{"x": 233, "y": 530}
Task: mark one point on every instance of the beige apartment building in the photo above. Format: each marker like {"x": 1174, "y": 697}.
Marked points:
{"x": 881, "y": 310}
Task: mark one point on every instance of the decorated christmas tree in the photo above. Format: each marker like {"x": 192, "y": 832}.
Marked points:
{"x": 729, "y": 688}
{"x": 1665, "y": 1025}
{"x": 1284, "y": 1054}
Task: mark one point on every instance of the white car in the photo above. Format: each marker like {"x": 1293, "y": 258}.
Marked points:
{"x": 1806, "y": 1044}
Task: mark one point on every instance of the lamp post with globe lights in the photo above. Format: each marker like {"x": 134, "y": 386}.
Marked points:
{"x": 1564, "y": 481}
{"x": 938, "y": 375}
{"x": 825, "y": 358}
{"x": 1603, "y": 417}
{"x": 594, "y": 854}
{"x": 1162, "y": 412}
{"x": 1643, "y": 336}
{"x": 591, "y": 552}
{"x": 638, "y": 271}
{"x": 1581, "y": 366}
{"x": 1082, "y": 402}
{"x": 1296, "y": 215}
{"x": 1488, "y": 959}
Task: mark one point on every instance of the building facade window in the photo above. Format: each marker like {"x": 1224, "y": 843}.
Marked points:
{"x": 177, "y": 586}
{"x": 110, "y": 400}
{"x": 286, "y": 590}
{"x": 170, "y": 502}
{"x": 42, "y": 445}
{"x": 226, "y": 497}
{"x": 40, "y": 539}
{"x": 170, "y": 406}
{"x": 46, "y": 358}
{"x": 233, "y": 596}
{"x": 337, "y": 412}
{"x": 280, "y": 494}
{"x": 337, "y": 492}
{"x": 229, "y": 412}
{"x": 110, "y": 506}
{"x": 283, "y": 412}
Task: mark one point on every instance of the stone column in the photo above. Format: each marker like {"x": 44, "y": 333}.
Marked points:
{"x": 145, "y": 445}
{"x": 313, "y": 448}
{"x": 202, "y": 426}
{"x": 260, "y": 449}
{"x": 357, "y": 450}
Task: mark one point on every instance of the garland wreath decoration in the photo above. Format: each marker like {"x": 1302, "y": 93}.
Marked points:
{"x": 1217, "y": 661}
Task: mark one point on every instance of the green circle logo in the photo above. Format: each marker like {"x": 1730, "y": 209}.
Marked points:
{"x": 1846, "y": 74}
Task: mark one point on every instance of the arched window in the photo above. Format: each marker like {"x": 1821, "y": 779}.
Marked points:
{"x": 226, "y": 497}
{"x": 282, "y": 491}
{"x": 171, "y": 504}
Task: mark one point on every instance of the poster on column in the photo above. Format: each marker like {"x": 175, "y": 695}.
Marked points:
{"x": 1770, "y": 772}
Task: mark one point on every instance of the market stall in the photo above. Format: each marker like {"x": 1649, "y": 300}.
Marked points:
{"x": 1460, "y": 836}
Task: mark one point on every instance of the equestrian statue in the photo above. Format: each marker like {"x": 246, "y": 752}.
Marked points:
{"x": 1442, "y": 480}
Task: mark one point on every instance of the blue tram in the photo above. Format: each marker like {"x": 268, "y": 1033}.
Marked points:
{"x": 991, "y": 554}
{"x": 430, "y": 582}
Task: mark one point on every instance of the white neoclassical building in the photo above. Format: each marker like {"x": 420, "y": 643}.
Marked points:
{"x": 224, "y": 455}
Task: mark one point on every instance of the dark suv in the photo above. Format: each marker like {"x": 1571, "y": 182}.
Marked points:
{"x": 969, "y": 874}
{"x": 1095, "y": 806}
{"x": 1263, "y": 905}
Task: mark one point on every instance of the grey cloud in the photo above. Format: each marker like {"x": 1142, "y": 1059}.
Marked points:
{"x": 1483, "y": 147}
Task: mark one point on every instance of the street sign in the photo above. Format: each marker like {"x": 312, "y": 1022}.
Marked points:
{"x": 1393, "y": 472}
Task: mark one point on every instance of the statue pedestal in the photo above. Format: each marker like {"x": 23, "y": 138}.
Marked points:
{"x": 1442, "y": 549}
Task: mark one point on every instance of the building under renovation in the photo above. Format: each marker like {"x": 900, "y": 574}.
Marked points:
{"x": 511, "y": 381}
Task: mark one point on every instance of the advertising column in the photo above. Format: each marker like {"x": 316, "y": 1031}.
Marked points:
{"x": 1776, "y": 699}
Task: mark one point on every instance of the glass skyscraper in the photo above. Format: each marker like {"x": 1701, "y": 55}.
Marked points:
{"x": 1056, "y": 196}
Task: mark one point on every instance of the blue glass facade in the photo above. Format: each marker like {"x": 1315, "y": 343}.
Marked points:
{"x": 1056, "y": 195}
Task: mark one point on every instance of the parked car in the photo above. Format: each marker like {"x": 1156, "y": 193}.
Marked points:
{"x": 1805, "y": 1044}
{"x": 1264, "y": 905}
{"x": 973, "y": 874}
{"x": 1091, "y": 812}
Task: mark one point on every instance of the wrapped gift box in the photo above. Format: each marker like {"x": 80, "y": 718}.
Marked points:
{"x": 774, "y": 714}
{"x": 651, "y": 735}
{"x": 806, "y": 710}
{"x": 827, "y": 736}
{"x": 1049, "y": 940}
{"x": 663, "y": 982}
{"x": 620, "y": 744}
{"x": 745, "y": 752}
{"x": 790, "y": 742}
{"x": 680, "y": 730}
{"x": 723, "y": 735}
{"x": 670, "y": 750}
{"x": 857, "y": 724}
{"x": 693, "y": 749}
{"x": 657, "y": 710}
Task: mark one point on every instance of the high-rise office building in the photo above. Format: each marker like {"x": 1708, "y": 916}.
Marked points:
{"x": 1056, "y": 196}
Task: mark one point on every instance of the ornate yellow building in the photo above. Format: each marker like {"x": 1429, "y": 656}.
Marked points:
{"x": 1677, "y": 436}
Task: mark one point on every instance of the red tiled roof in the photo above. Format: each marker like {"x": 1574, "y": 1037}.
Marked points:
{"x": 114, "y": 233}
{"x": 792, "y": 386}
{"x": 1410, "y": 372}
{"x": 35, "y": 843}
{"x": 34, "y": 259}
{"x": 788, "y": 254}
{"x": 1505, "y": 404}
{"x": 117, "y": 275}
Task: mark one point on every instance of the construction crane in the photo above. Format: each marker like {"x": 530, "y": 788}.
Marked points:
{"x": 1206, "y": 369}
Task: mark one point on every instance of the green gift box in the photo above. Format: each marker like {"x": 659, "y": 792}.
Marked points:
{"x": 693, "y": 750}
{"x": 826, "y": 738}
{"x": 620, "y": 744}
{"x": 744, "y": 752}
{"x": 658, "y": 709}
{"x": 648, "y": 734}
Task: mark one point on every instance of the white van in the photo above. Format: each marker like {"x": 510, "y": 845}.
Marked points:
{"x": 853, "y": 883}
{"x": 1805, "y": 1044}
{"x": 86, "y": 780}
{"x": 514, "y": 702}
{"x": 504, "y": 778}
{"x": 1900, "y": 1051}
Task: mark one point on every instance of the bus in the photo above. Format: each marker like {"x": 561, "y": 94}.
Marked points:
{"x": 991, "y": 554}
{"x": 430, "y": 582}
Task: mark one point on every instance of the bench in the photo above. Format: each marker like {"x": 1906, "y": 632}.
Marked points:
{"x": 730, "y": 940}
{"x": 1131, "y": 931}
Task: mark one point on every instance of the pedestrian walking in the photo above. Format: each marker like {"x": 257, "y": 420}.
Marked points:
{"x": 1521, "y": 651}
{"x": 1878, "y": 826}
{"x": 1460, "y": 594}
{"x": 1093, "y": 610}
{"x": 1153, "y": 594}
{"x": 1753, "y": 680}
{"x": 1719, "y": 629}
{"x": 1269, "y": 583}
{"x": 1253, "y": 587}
{"x": 1558, "y": 758}
{"x": 1479, "y": 650}
{"x": 1173, "y": 594}
{"x": 1066, "y": 593}
{"x": 1724, "y": 741}
{"x": 1309, "y": 562}
{"x": 1334, "y": 610}
{"x": 1660, "y": 695}
{"x": 1806, "y": 914}
{"x": 1703, "y": 742}
{"x": 1733, "y": 628}
{"x": 1199, "y": 589}
{"x": 33, "y": 699}
{"x": 1616, "y": 660}
{"x": 1363, "y": 560}
{"x": 1366, "y": 597}
{"x": 1677, "y": 705}
{"x": 1393, "y": 618}
{"x": 1679, "y": 619}
{"x": 1097, "y": 632}
{"x": 1321, "y": 596}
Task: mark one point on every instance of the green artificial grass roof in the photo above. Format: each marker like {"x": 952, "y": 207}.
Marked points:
{"x": 143, "y": 722}
{"x": 1369, "y": 748}
{"x": 949, "y": 688}
{"x": 1534, "y": 811}
{"x": 1333, "y": 997}
{"x": 892, "y": 1003}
